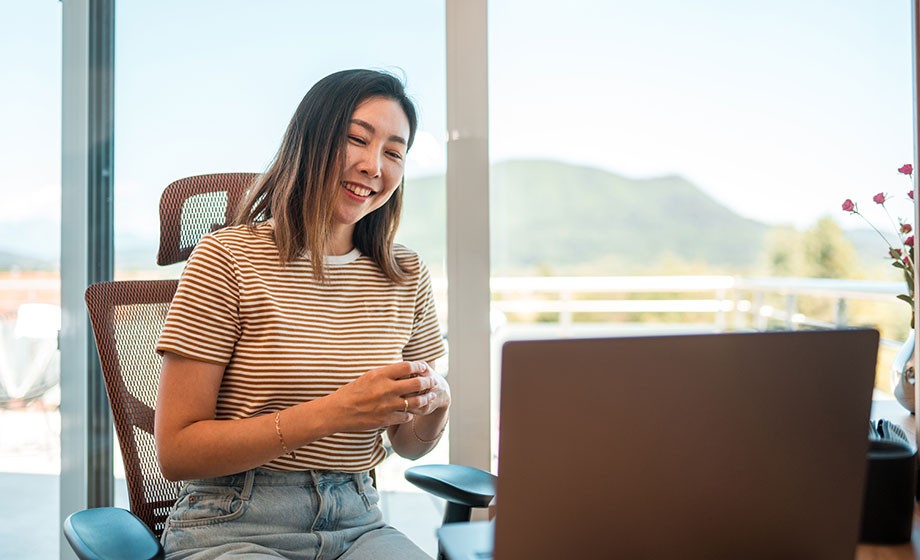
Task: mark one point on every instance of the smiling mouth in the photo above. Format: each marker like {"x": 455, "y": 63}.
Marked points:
{"x": 358, "y": 189}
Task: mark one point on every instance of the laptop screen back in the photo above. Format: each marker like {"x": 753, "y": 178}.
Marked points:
{"x": 695, "y": 446}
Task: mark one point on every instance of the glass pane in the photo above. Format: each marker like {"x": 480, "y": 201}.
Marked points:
{"x": 208, "y": 87}
{"x": 30, "y": 178}
{"x": 704, "y": 148}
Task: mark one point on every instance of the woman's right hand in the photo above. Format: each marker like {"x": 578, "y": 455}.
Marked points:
{"x": 382, "y": 397}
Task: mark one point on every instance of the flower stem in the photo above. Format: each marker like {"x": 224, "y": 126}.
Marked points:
{"x": 880, "y": 234}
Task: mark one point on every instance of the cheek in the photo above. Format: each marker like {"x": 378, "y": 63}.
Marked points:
{"x": 350, "y": 155}
{"x": 393, "y": 178}
{"x": 384, "y": 197}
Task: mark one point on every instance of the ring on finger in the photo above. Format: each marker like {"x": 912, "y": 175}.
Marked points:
{"x": 406, "y": 407}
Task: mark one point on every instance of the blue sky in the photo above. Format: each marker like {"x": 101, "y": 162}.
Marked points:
{"x": 778, "y": 109}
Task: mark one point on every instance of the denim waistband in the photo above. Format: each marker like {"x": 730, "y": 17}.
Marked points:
{"x": 267, "y": 477}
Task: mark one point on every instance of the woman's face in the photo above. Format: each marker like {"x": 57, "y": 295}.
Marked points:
{"x": 375, "y": 157}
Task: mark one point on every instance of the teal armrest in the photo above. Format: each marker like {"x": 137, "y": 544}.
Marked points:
{"x": 458, "y": 484}
{"x": 110, "y": 533}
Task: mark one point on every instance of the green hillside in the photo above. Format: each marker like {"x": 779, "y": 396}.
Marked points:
{"x": 557, "y": 217}
{"x": 547, "y": 218}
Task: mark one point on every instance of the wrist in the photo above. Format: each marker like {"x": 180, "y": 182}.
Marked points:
{"x": 431, "y": 429}
{"x": 313, "y": 420}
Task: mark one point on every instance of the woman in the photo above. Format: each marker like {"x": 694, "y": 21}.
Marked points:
{"x": 296, "y": 337}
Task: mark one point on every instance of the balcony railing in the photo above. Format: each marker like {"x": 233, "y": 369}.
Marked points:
{"x": 569, "y": 305}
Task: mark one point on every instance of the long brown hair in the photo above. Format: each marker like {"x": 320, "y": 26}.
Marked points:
{"x": 300, "y": 186}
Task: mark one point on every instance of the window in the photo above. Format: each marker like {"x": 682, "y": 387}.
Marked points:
{"x": 660, "y": 139}
{"x": 30, "y": 179}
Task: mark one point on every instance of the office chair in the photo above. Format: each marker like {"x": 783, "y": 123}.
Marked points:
{"x": 127, "y": 318}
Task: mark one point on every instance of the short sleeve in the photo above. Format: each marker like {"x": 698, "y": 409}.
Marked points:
{"x": 203, "y": 320}
{"x": 425, "y": 342}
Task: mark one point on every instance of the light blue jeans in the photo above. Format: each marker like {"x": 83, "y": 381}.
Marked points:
{"x": 315, "y": 515}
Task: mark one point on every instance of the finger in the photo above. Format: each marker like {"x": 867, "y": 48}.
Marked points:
{"x": 414, "y": 386}
{"x": 419, "y": 368}
{"x": 421, "y": 403}
{"x": 401, "y": 370}
{"x": 424, "y": 384}
{"x": 403, "y": 417}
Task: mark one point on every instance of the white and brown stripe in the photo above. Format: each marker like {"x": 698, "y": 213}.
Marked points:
{"x": 285, "y": 338}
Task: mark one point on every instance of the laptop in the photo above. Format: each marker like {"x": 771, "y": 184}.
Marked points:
{"x": 748, "y": 445}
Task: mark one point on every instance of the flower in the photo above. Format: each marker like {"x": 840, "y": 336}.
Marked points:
{"x": 902, "y": 252}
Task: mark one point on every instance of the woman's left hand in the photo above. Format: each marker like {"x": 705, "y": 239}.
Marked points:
{"x": 438, "y": 393}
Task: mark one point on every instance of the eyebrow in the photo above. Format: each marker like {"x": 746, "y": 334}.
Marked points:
{"x": 370, "y": 128}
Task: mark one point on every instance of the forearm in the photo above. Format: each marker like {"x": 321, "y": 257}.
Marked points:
{"x": 210, "y": 448}
{"x": 416, "y": 438}
{"x": 191, "y": 444}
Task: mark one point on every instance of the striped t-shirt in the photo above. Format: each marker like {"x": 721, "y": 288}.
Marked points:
{"x": 285, "y": 338}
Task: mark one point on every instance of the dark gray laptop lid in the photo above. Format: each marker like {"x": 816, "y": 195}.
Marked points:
{"x": 693, "y": 446}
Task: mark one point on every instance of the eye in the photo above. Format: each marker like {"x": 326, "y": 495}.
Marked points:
{"x": 357, "y": 140}
{"x": 395, "y": 155}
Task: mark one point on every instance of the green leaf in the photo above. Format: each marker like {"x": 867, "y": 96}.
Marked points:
{"x": 906, "y": 298}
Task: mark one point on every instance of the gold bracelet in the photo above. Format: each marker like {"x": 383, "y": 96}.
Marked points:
{"x": 436, "y": 437}
{"x": 284, "y": 446}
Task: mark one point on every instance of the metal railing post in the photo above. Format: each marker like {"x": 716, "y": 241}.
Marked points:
{"x": 840, "y": 313}
{"x": 791, "y": 310}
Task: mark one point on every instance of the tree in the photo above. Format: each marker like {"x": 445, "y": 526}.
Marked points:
{"x": 827, "y": 252}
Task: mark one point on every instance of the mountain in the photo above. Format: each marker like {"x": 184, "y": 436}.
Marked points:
{"x": 16, "y": 261}
{"x": 546, "y": 217}
{"x": 556, "y": 217}
{"x": 30, "y": 244}
{"x": 35, "y": 244}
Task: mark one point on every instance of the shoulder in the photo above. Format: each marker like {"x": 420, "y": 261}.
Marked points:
{"x": 229, "y": 247}
{"x": 241, "y": 240}
{"x": 242, "y": 234}
{"x": 409, "y": 260}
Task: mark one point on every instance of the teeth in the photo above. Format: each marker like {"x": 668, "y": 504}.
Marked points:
{"x": 360, "y": 191}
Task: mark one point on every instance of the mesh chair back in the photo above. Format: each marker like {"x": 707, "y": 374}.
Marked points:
{"x": 127, "y": 318}
{"x": 194, "y": 206}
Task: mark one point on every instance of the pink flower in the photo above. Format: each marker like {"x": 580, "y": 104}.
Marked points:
{"x": 902, "y": 252}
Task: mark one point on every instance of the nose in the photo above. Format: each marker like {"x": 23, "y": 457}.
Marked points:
{"x": 370, "y": 163}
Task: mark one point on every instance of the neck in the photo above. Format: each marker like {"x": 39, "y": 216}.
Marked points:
{"x": 341, "y": 242}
